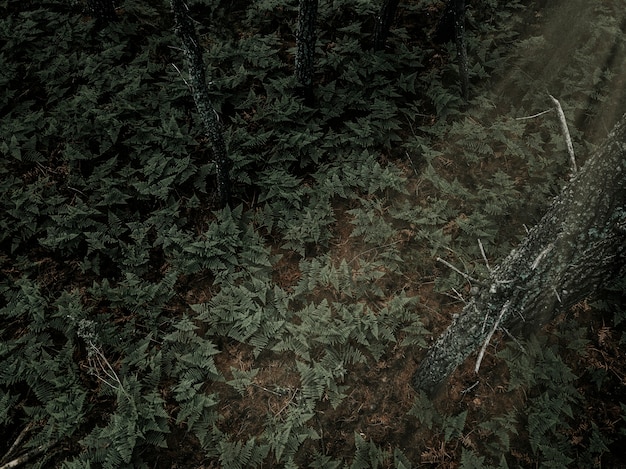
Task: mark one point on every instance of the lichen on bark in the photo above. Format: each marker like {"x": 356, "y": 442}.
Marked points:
{"x": 305, "y": 47}
{"x": 197, "y": 80}
{"x": 578, "y": 246}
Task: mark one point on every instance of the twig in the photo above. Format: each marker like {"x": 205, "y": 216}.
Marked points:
{"x": 26, "y": 457}
{"x": 17, "y": 441}
{"x": 287, "y": 404}
{"x": 565, "y": 130}
{"x": 482, "y": 251}
{"x": 511, "y": 336}
{"x": 372, "y": 249}
{"x": 458, "y": 296}
{"x": 268, "y": 390}
{"x": 489, "y": 336}
{"x": 411, "y": 161}
{"x": 533, "y": 116}
{"x": 107, "y": 369}
{"x": 181, "y": 75}
{"x": 463, "y": 274}
{"x": 466, "y": 390}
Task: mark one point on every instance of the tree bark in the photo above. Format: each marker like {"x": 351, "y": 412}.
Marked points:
{"x": 577, "y": 247}
{"x": 193, "y": 53}
{"x": 452, "y": 25}
{"x": 102, "y": 10}
{"x": 384, "y": 22}
{"x": 461, "y": 46}
{"x": 305, "y": 48}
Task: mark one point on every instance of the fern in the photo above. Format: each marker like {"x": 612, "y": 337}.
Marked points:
{"x": 470, "y": 460}
{"x": 367, "y": 454}
{"x": 501, "y": 428}
{"x": 242, "y": 379}
{"x": 424, "y": 410}
{"x": 190, "y": 356}
{"x": 319, "y": 382}
{"x": 322, "y": 461}
{"x": 453, "y": 425}
{"x": 237, "y": 455}
{"x": 102, "y": 168}
{"x": 287, "y": 431}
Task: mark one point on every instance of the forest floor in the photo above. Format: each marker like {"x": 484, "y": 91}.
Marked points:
{"x": 380, "y": 397}
{"x": 380, "y": 406}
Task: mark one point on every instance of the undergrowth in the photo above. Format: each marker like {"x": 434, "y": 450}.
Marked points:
{"x": 142, "y": 327}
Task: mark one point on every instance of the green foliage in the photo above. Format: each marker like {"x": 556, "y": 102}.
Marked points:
{"x": 237, "y": 455}
{"x": 287, "y": 431}
{"x": 551, "y": 409}
{"x": 470, "y": 460}
{"x": 501, "y": 428}
{"x": 123, "y": 292}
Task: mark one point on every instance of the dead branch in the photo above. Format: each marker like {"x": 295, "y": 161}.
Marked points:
{"x": 533, "y": 116}
{"x": 565, "y": 130}
{"x": 463, "y": 274}
{"x": 26, "y": 457}
{"x": 488, "y": 339}
{"x": 17, "y": 442}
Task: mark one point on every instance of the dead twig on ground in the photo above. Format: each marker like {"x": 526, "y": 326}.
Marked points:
{"x": 27, "y": 456}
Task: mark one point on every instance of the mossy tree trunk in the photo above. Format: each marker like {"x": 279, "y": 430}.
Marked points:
{"x": 383, "y": 23}
{"x": 576, "y": 248}
{"x": 197, "y": 81}
{"x": 305, "y": 48}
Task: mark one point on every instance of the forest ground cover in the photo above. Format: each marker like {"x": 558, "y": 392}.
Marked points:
{"x": 143, "y": 327}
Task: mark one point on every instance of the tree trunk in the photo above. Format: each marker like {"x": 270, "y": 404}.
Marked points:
{"x": 444, "y": 32}
{"x": 102, "y": 10}
{"x": 384, "y": 22}
{"x": 576, "y": 248}
{"x": 193, "y": 53}
{"x": 461, "y": 46}
{"x": 305, "y": 48}
{"x": 452, "y": 25}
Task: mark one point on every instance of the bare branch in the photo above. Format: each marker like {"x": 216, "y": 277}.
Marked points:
{"x": 565, "y": 130}
{"x": 458, "y": 296}
{"x": 482, "y": 251}
{"x": 533, "y": 116}
{"x": 466, "y": 390}
{"x": 488, "y": 339}
{"x": 463, "y": 274}
{"x": 181, "y": 75}
{"x": 26, "y": 457}
{"x": 17, "y": 442}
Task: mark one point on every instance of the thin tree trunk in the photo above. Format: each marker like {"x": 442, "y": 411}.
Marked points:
{"x": 102, "y": 10}
{"x": 193, "y": 53}
{"x": 452, "y": 25}
{"x": 444, "y": 32}
{"x": 305, "y": 48}
{"x": 383, "y": 23}
{"x": 461, "y": 46}
{"x": 576, "y": 248}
